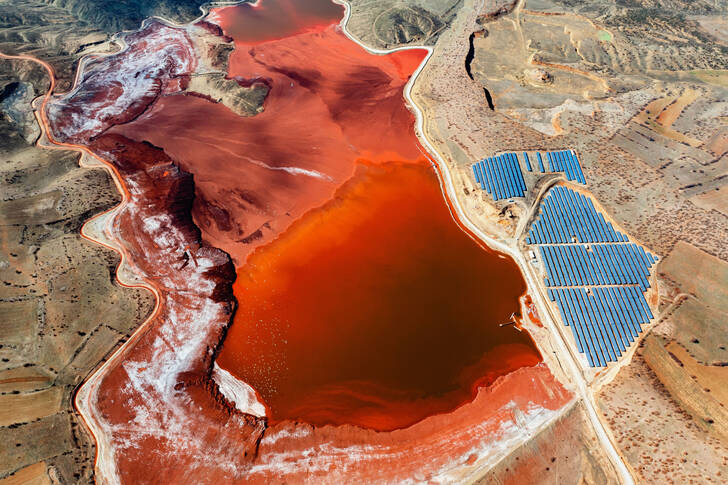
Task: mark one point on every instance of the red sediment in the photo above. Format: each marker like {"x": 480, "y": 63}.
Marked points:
{"x": 292, "y": 157}
{"x": 445, "y": 448}
{"x": 151, "y": 401}
{"x": 532, "y": 311}
{"x": 267, "y": 20}
{"x": 116, "y": 89}
{"x": 214, "y": 29}
{"x": 206, "y": 97}
{"x": 335, "y": 132}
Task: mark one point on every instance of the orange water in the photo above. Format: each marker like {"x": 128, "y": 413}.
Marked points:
{"x": 375, "y": 309}
{"x": 266, "y": 20}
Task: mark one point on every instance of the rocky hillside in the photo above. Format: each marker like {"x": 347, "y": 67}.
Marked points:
{"x": 116, "y": 15}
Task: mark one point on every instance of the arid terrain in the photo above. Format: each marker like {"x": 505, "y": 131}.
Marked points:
{"x": 61, "y": 309}
{"x": 637, "y": 88}
{"x": 640, "y": 94}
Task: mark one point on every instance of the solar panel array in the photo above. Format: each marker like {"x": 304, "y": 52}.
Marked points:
{"x": 565, "y": 161}
{"x": 604, "y": 320}
{"x": 596, "y": 277}
{"x": 600, "y": 264}
{"x": 568, "y": 216}
{"x": 501, "y": 176}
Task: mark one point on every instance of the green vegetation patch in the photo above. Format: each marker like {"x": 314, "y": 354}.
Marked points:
{"x": 604, "y": 36}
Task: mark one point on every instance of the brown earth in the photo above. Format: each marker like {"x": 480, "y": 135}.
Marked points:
{"x": 661, "y": 441}
{"x": 565, "y": 452}
{"x": 33, "y": 27}
{"x": 61, "y": 309}
{"x": 390, "y": 23}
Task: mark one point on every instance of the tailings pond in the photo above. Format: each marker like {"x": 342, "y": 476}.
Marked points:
{"x": 360, "y": 299}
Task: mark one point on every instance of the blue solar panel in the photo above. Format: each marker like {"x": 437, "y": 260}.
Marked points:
{"x": 499, "y": 183}
{"x": 493, "y": 178}
{"x": 611, "y": 317}
{"x": 501, "y": 179}
{"x": 569, "y": 166}
{"x": 501, "y": 176}
{"x": 617, "y": 316}
{"x": 561, "y": 310}
{"x": 578, "y": 325}
{"x": 606, "y": 319}
{"x": 504, "y": 178}
{"x": 619, "y": 307}
{"x": 577, "y": 164}
{"x": 561, "y": 161}
{"x": 564, "y": 166}
{"x": 597, "y": 337}
{"x": 513, "y": 184}
{"x": 528, "y": 162}
{"x": 601, "y": 331}
{"x": 487, "y": 176}
{"x": 519, "y": 173}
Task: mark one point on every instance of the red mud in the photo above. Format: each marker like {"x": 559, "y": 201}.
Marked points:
{"x": 254, "y": 176}
{"x": 440, "y": 449}
{"x": 532, "y": 311}
{"x": 266, "y": 20}
{"x": 333, "y": 111}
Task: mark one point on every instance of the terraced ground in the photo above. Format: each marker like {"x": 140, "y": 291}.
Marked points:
{"x": 61, "y": 309}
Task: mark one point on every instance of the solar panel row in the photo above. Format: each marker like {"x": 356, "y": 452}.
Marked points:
{"x": 566, "y": 161}
{"x": 568, "y": 217}
{"x": 604, "y": 320}
{"x": 528, "y": 162}
{"x": 600, "y": 264}
{"x": 501, "y": 176}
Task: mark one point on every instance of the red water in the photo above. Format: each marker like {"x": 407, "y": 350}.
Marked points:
{"x": 265, "y": 20}
{"x": 375, "y": 309}
{"x": 360, "y": 299}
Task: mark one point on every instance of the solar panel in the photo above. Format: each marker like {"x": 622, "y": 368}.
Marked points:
{"x": 599, "y": 289}
{"x": 501, "y": 176}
